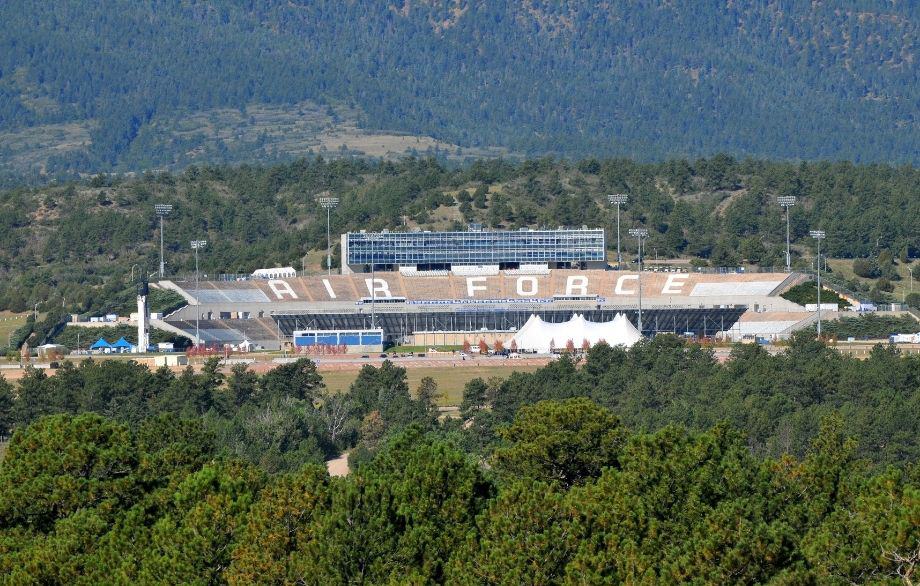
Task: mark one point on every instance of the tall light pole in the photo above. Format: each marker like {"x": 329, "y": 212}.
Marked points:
{"x": 373, "y": 238}
{"x": 787, "y": 201}
{"x": 196, "y": 246}
{"x": 162, "y": 210}
{"x": 618, "y": 199}
{"x": 329, "y": 203}
{"x": 818, "y": 235}
{"x": 639, "y": 233}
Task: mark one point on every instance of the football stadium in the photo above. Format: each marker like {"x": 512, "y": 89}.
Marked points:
{"x": 444, "y": 288}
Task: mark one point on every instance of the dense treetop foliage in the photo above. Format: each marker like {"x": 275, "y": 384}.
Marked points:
{"x": 79, "y": 241}
{"x": 870, "y": 326}
{"x": 285, "y": 417}
{"x": 564, "y": 493}
{"x": 647, "y": 79}
{"x": 777, "y": 400}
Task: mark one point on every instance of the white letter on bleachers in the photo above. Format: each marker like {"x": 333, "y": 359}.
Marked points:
{"x": 533, "y": 286}
{"x": 472, "y": 287}
{"x": 672, "y": 287}
{"x": 378, "y": 285}
{"x": 619, "y": 288}
{"x": 329, "y": 289}
{"x": 580, "y": 283}
{"x": 281, "y": 288}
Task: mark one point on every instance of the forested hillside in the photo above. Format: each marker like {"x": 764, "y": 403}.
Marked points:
{"x": 72, "y": 246}
{"x": 627, "y": 467}
{"x": 90, "y": 86}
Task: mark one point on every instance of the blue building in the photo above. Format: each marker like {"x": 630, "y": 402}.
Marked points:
{"x": 355, "y": 340}
{"x": 562, "y": 248}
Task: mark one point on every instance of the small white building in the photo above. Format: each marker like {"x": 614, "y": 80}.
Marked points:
{"x": 170, "y": 360}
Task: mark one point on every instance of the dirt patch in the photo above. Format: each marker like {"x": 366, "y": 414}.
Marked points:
{"x": 338, "y": 466}
{"x": 730, "y": 197}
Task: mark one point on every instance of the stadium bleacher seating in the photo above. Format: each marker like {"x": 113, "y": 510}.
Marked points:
{"x": 475, "y": 270}
{"x": 502, "y": 285}
{"x": 429, "y": 289}
{"x": 412, "y": 271}
{"x": 528, "y": 270}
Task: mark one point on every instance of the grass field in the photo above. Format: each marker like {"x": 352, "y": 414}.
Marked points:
{"x": 843, "y": 268}
{"x": 9, "y": 323}
{"x": 451, "y": 380}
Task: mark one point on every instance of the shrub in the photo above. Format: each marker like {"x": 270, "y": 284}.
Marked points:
{"x": 913, "y": 300}
{"x": 884, "y": 285}
{"x": 866, "y": 268}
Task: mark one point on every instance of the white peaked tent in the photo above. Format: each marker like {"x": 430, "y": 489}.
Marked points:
{"x": 538, "y": 335}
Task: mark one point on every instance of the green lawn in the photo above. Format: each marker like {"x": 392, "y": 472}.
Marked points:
{"x": 451, "y": 380}
{"x": 843, "y": 268}
{"x": 9, "y": 323}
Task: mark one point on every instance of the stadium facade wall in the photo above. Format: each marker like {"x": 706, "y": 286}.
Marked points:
{"x": 442, "y": 250}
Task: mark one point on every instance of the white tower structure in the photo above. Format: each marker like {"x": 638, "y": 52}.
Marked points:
{"x": 143, "y": 318}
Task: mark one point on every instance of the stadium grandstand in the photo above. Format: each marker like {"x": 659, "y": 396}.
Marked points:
{"x": 410, "y": 284}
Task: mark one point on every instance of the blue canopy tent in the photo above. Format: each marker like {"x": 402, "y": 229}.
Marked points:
{"x": 101, "y": 345}
{"x": 122, "y": 345}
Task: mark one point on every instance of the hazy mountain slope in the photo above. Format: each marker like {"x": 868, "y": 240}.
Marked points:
{"x": 646, "y": 79}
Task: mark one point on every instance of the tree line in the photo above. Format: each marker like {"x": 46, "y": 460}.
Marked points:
{"x": 569, "y": 495}
{"x": 627, "y": 465}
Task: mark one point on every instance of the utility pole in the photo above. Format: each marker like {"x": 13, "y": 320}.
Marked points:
{"x": 162, "y": 210}
{"x": 617, "y": 199}
{"x": 818, "y": 235}
{"x": 328, "y": 203}
{"x": 196, "y": 246}
{"x": 639, "y": 233}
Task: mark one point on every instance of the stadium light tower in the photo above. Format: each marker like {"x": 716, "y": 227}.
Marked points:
{"x": 618, "y": 199}
{"x": 162, "y": 210}
{"x": 373, "y": 238}
{"x": 787, "y": 201}
{"x": 640, "y": 233}
{"x": 196, "y": 246}
{"x": 818, "y": 235}
{"x": 328, "y": 203}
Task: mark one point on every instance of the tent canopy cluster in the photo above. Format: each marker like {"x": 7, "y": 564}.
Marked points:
{"x": 544, "y": 337}
{"x": 122, "y": 345}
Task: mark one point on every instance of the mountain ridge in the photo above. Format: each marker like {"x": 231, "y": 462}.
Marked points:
{"x": 568, "y": 78}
